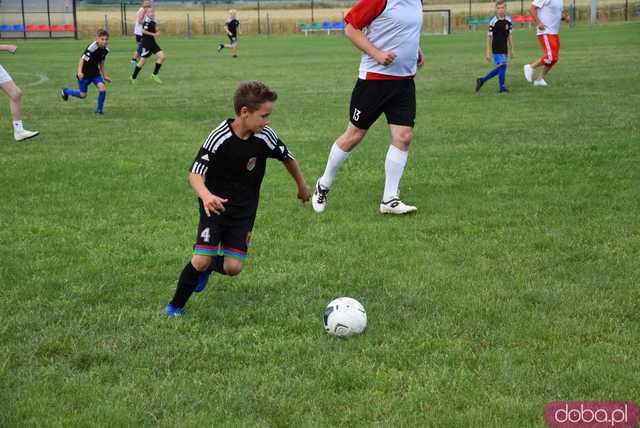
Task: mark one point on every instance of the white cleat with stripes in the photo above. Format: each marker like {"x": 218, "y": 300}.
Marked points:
{"x": 540, "y": 82}
{"x": 396, "y": 206}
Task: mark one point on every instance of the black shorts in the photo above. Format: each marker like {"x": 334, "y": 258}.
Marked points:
{"x": 149, "y": 47}
{"x": 233, "y": 39}
{"x": 138, "y": 38}
{"x": 219, "y": 236}
{"x": 395, "y": 98}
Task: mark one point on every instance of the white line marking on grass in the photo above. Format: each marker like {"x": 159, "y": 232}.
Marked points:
{"x": 42, "y": 78}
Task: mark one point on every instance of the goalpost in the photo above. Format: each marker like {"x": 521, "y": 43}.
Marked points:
{"x": 436, "y": 21}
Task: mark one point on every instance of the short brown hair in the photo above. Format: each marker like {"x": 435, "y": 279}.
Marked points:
{"x": 102, "y": 32}
{"x": 252, "y": 94}
{"x": 501, "y": 2}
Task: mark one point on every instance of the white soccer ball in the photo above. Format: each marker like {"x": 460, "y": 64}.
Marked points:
{"x": 344, "y": 317}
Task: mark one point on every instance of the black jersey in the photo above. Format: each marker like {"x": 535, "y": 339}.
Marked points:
{"x": 93, "y": 56}
{"x": 150, "y": 26}
{"x": 233, "y": 168}
{"x": 233, "y": 25}
{"x": 499, "y": 31}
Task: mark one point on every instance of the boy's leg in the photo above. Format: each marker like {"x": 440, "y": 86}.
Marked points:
{"x": 15, "y": 103}
{"x": 137, "y": 68}
{"x": 160, "y": 57}
{"x": 400, "y": 112}
{"x": 232, "y": 255}
{"x": 83, "y": 86}
{"x": 189, "y": 279}
{"x": 490, "y": 75}
{"x": 102, "y": 96}
{"x": 502, "y": 73}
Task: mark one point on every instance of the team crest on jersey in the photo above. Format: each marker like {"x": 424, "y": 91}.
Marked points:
{"x": 251, "y": 164}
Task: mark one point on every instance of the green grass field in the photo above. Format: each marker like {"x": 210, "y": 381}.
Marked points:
{"x": 516, "y": 284}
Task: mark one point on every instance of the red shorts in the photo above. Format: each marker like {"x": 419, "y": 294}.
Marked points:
{"x": 551, "y": 47}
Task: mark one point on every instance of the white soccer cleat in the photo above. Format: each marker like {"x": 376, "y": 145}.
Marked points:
{"x": 319, "y": 198}
{"x": 540, "y": 82}
{"x": 396, "y": 206}
{"x": 24, "y": 134}
{"x": 528, "y": 73}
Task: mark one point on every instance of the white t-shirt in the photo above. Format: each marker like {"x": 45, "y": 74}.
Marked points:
{"x": 137, "y": 30}
{"x": 550, "y": 13}
{"x": 390, "y": 25}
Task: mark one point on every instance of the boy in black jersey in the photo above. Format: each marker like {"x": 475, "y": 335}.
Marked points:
{"x": 499, "y": 44}
{"x": 226, "y": 175}
{"x": 91, "y": 70}
{"x": 231, "y": 28}
{"x": 149, "y": 47}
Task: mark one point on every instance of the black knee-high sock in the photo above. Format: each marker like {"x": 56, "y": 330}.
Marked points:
{"x": 186, "y": 284}
{"x": 135, "y": 72}
{"x": 217, "y": 265}
{"x": 157, "y": 69}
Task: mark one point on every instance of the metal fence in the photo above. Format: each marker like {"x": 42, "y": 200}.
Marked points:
{"x": 311, "y": 16}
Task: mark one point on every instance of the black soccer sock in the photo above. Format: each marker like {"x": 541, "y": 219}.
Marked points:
{"x": 186, "y": 284}
{"x": 135, "y": 72}
{"x": 217, "y": 265}
{"x": 157, "y": 69}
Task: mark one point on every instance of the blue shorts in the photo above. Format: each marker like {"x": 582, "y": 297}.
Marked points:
{"x": 499, "y": 59}
{"x": 84, "y": 83}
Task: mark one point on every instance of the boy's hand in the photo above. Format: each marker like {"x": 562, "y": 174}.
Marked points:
{"x": 512, "y": 53}
{"x": 107, "y": 79}
{"x": 420, "y": 58}
{"x": 385, "y": 58}
{"x": 303, "y": 194}
{"x": 541, "y": 26}
{"x": 80, "y": 75}
{"x": 11, "y": 48}
{"x": 213, "y": 204}
{"x": 488, "y": 58}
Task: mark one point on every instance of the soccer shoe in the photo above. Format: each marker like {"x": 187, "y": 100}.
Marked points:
{"x": 220, "y": 47}
{"x": 172, "y": 311}
{"x": 24, "y": 134}
{"x": 132, "y": 80}
{"x": 540, "y": 82}
{"x": 319, "y": 198}
{"x": 396, "y": 206}
{"x": 155, "y": 78}
{"x": 479, "y": 83}
{"x": 99, "y": 112}
{"x": 202, "y": 282}
{"x": 133, "y": 61}
{"x": 503, "y": 90}
{"x": 528, "y": 73}
{"x": 64, "y": 96}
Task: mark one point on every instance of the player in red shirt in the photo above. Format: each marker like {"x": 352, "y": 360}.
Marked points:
{"x": 388, "y": 34}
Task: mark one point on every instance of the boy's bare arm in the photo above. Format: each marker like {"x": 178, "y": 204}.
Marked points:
{"x": 212, "y": 203}
{"x": 488, "y": 49}
{"x": 512, "y": 47}
{"x": 8, "y": 48}
{"x": 80, "y": 73}
{"x": 294, "y": 169}
{"x": 360, "y": 41}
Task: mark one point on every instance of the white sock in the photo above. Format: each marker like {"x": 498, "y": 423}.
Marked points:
{"x": 393, "y": 169}
{"x": 17, "y": 126}
{"x": 336, "y": 158}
